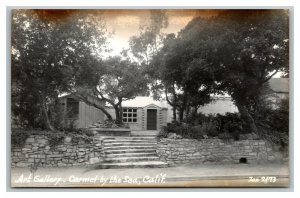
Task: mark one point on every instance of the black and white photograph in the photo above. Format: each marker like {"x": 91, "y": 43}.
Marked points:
{"x": 141, "y": 98}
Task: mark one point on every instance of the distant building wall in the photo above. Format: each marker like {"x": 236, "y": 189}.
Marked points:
{"x": 274, "y": 100}
{"x": 219, "y": 105}
{"x": 88, "y": 115}
{"x": 85, "y": 116}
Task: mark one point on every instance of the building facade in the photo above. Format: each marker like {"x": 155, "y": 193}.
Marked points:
{"x": 142, "y": 113}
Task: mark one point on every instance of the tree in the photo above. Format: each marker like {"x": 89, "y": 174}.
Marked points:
{"x": 47, "y": 48}
{"x": 187, "y": 77}
{"x": 120, "y": 80}
{"x": 247, "y": 48}
{"x": 146, "y": 45}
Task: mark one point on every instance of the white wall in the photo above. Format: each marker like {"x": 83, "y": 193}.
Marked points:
{"x": 219, "y": 105}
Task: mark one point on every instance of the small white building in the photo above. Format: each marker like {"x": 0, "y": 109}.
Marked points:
{"x": 143, "y": 113}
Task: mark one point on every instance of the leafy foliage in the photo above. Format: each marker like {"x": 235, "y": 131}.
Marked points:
{"x": 199, "y": 131}
{"x": 55, "y": 138}
{"x": 119, "y": 80}
{"x": 274, "y": 124}
{"x": 46, "y": 53}
{"x": 235, "y": 52}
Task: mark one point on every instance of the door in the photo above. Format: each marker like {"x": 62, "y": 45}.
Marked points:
{"x": 151, "y": 119}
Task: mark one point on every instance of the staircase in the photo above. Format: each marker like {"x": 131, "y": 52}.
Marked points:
{"x": 135, "y": 151}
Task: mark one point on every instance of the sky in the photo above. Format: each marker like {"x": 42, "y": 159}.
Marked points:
{"x": 126, "y": 23}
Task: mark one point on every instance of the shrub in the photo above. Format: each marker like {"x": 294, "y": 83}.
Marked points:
{"x": 230, "y": 123}
{"x": 273, "y": 124}
{"x": 188, "y": 130}
{"x": 56, "y": 139}
{"x": 19, "y": 136}
{"x": 163, "y": 133}
{"x": 225, "y": 136}
{"x": 209, "y": 128}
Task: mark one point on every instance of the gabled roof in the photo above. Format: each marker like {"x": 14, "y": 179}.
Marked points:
{"x": 152, "y": 106}
{"x": 279, "y": 85}
{"x": 141, "y": 101}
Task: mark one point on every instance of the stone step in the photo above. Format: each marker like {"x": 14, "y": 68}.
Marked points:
{"x": 142, "y": 164}
{"x": 130, "y": 144}
{"x": 121, "y": 151}
{"x": 127, "y": 147}
{"x": 149, "y": 154}
{"x": 129, "y": 159}
{"x": 143, "y": 135}
{"x": 129, "y": 139}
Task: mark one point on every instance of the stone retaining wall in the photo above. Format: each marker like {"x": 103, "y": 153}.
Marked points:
{"x": 189, "y": 151}
{"x": 37, "y": 150}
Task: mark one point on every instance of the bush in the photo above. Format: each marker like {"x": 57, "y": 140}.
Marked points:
{"x": 273, "y": 124}
{"x": 230, "y": 123}
{"x": 19, "y": 136}
{"x": 163, "y": 133}
{"x": 189, "y": 131}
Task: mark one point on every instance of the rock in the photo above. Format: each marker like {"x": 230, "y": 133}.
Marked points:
{"x": 47, "y": 147}
{"x": 67, "y": 139}
{"x": 81, "y": 153}
{"x": 42, "y": 141}
{"x": 30, "y": 140}
{"x": 25, "y": 149}
{"x": 94, "y": 160}
{"x": 35, "y": 148}
{"x": 172, "y": 135}
{"x": 22, "y": 164}
{"x": 271, "y": 158}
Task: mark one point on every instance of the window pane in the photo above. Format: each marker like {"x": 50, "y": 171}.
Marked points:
{"x": 125, "y": 110}
{"x": 124, "y": 115}
{"x": 134, "y": 115}
{"x": 134, "y": 110}
{"x": 129, "y": 115}
{"x": 129, "y": 120}
{"x": 129, "y": 110}
{"x": 124, "y": 119}
{"x": 134, "y": 119}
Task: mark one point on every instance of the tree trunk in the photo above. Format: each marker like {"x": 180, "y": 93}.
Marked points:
{"x": 195, "y": 111}
{"x": 181, "y": 113}
{"x": 118, "y": 114}
{"x": 172, "y": 104}
{"x": 247, "y": 117}
{"x": 46, "y": 119}
{"x": 174, "y": 113}
{"x": 183, "y": 105}
{"x": 187, "y": 112}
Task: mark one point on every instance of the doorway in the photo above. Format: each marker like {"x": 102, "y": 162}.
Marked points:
{"x": 151, "y": 119}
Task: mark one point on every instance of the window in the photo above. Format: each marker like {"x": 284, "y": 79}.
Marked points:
{"x": 129, "y": 115}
